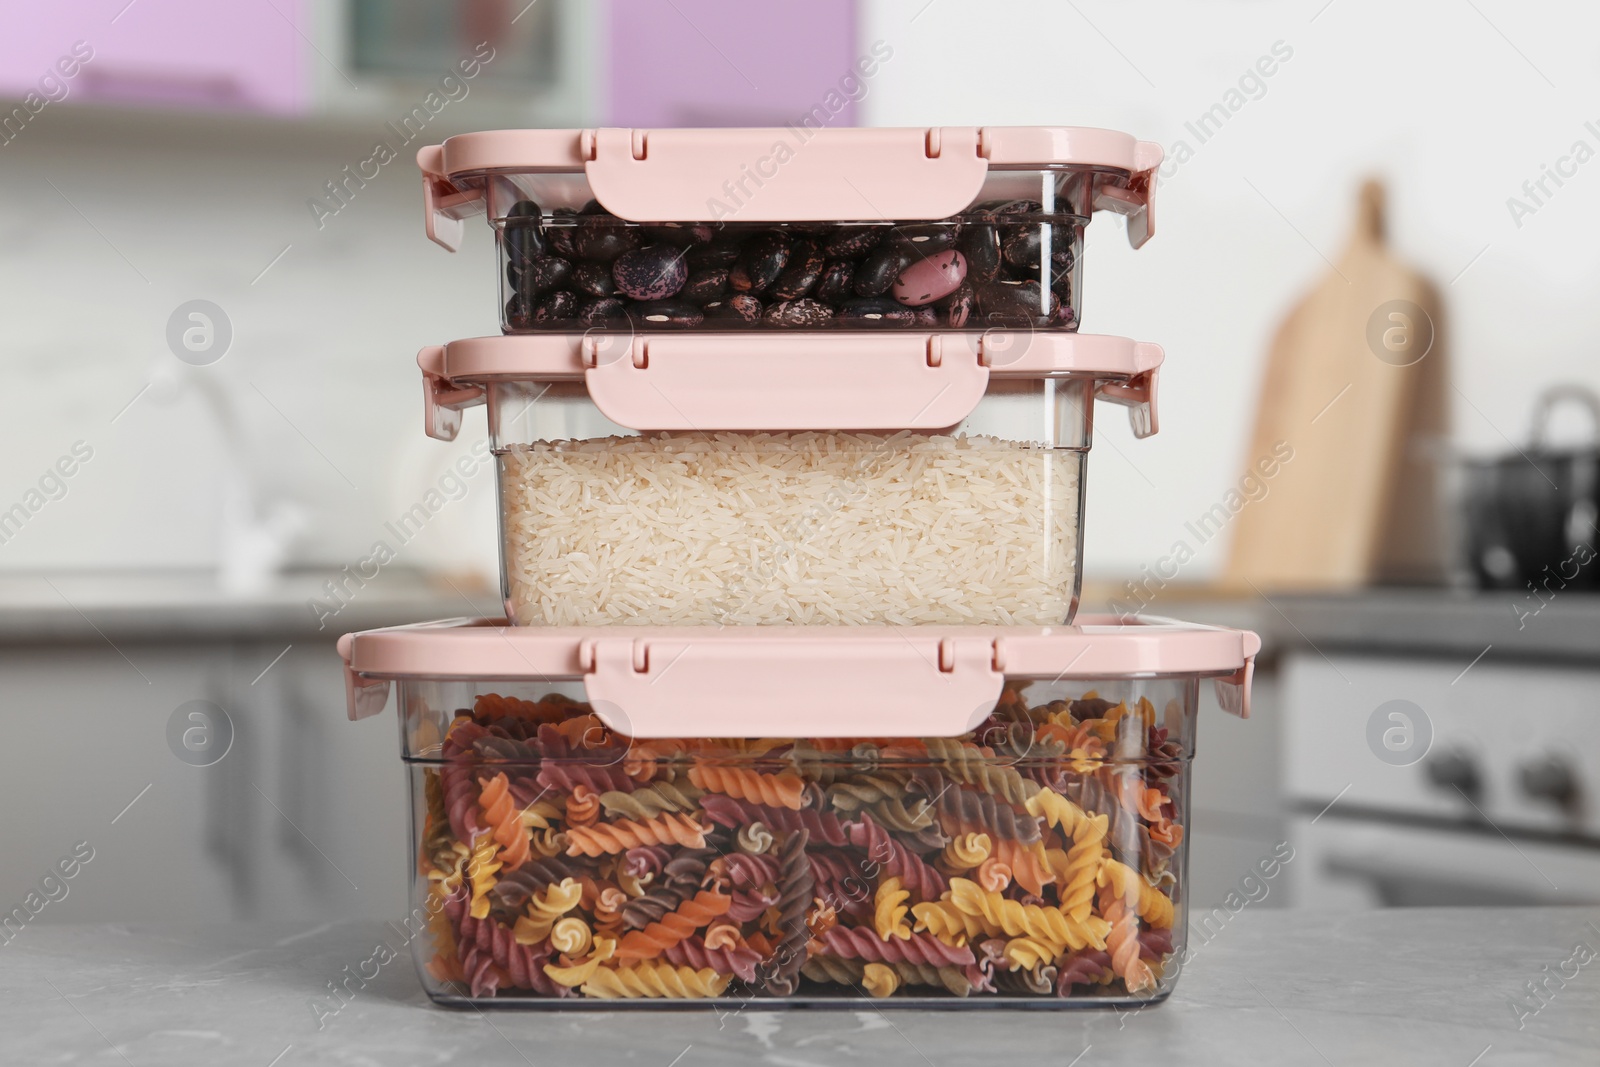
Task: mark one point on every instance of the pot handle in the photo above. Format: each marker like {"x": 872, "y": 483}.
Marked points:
{"x": 1552, "y": 397}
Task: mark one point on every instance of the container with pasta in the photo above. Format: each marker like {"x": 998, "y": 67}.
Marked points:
{"x": 973, "y": 815}
{"x": 736, "y": 481}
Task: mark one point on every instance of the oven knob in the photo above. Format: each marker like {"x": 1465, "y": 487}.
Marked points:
{"x": 1550, "y": 778}
{"x": 1452, "y": 769}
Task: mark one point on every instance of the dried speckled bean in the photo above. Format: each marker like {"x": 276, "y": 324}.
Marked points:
{"x": 760, "y": 262}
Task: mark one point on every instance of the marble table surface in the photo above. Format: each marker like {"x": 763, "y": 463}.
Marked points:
{"x": 1419, "y": 986}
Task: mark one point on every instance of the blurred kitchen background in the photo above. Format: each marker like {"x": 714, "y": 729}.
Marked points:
{"x": 1428, "y": 724}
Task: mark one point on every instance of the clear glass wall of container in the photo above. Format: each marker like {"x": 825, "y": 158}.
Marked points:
{"x": 1040, "y": 860}
{"x": 975, "y": 523}
{"x": 1011, "y": 260}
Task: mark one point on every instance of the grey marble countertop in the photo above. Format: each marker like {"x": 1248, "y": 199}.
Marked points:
{"x": 1270, "y": 987}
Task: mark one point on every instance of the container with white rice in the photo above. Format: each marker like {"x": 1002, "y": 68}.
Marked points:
{"x": 787, "y": 529}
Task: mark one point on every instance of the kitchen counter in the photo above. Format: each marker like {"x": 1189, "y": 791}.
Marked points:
{"x": 119, "y": 606}
{"x": 188, "y": 605}
{"x": 1402, "y": 986}
{"x": 1564, "y": 626}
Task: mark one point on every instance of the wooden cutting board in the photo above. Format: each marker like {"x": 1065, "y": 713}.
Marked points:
{"x": 1354, "y": 388}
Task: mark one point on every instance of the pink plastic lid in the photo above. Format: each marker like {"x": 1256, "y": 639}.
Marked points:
{"x": 837, "y": 381}
{"x": 783, "y": 682}
{"x": 786, "y": 174}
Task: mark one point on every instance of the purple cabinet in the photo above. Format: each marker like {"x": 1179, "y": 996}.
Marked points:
{"x": 179, "y": 53}
{"x": 733, "y": 63}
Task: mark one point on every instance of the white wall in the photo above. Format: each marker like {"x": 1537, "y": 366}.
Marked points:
{"x": 1427, "y": 94}
{"x": 322, "y": 375}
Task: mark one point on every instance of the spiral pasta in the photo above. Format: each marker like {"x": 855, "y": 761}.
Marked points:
{"x": 654, "y": 904}
{"x": 857, "y": 791}
{"x": 579, "y": 973}
{"x": 740, "y": 960}
{"x": 1026, "y": 863}
{"x": 964, "y": 811}
{"x": 958, "y": 981}
{"x": 505, "y": 825}
{"x": 1127, "y": 838}
{"x": 649, "y": 979}
{"x": 822, "y": 827}
{"x": 512, "y": 890}
{"x": 583, "y": 806}
{"x": 906, "y": 817}
{"x": 754, "y": 839}
{"x": 1122, "y": 941}
{"x": 1025, "y": 920}
{"x": 648, "y": 801}
{"x": 1082, "y": 866}
{"x": 1039, "y": 979}
{"x": 742, "y": 870}
{"x": 879, "y": 980}
{"x": 461, "y": 798}
{"x": 780, "y": 974}
{"x": 447, "y": 870}
{"x": 964, "y": 852}
{"x": 544, "y": 909}
{"x": 833, "y": 969}
{"x": 856, "y": 943}
{"x": 584, "y": 731}
{"x": 571, "y": 936}
{"x": 538, "y": 813}
{"x": 690, "y": 865}
{"x": 914, "y": 873}
{"x": 822, "y": 917}
{"x": 1014, "y": 743}
{"x": 608, "y": 906}
{"x": 889, "y": 911}
{"x": 841, "y": 885}
{"x": 1030, "y": 951}
{"x": 601, "y": 777}
{"x": 993, "y": 875}
{"x": 438, "y": 852}
{"x": 673, "y": 927}
{"x": 492, "y": 707}
{"x": 949, "y": 923}
{"x": 481, "y": 869}
{"x": 1057, "y": 811}
{"x": 631, "y": 884}
{"x": 548, "y": 843}
{"x": 778, "y": 790}
{"x": 969, "y": 765}
{"x": 722, "y": 935}
{"x": 1152, "y": 905}
{"x": 627, "y": 833}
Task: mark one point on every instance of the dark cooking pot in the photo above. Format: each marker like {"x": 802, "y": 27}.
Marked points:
{"x": 1531, "y": 515}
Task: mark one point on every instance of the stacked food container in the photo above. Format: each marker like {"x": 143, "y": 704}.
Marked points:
{"x": 790, "y": 704}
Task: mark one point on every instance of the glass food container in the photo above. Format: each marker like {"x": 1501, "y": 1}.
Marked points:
{"x": 904, "y": 479}
{"x": 794, "y": 229}
{"x": 971, "y": 815}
